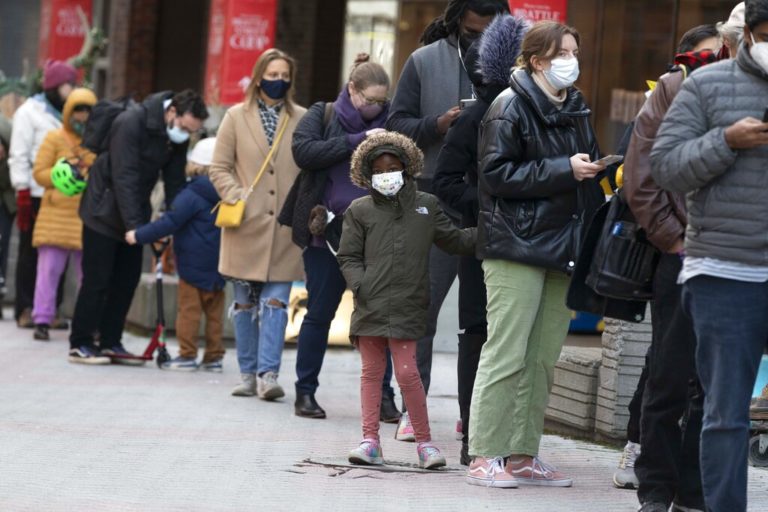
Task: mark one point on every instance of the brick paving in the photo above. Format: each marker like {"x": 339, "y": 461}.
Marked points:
{"x": 78, "y": 438}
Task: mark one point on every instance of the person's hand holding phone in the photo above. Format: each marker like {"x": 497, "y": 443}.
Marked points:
{"x": 748, "y": 133}
{"x": 582, "y": 167}
{"x": 445, "y": 121}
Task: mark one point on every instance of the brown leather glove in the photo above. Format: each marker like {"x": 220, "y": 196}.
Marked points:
{"x": 318, "y": 220}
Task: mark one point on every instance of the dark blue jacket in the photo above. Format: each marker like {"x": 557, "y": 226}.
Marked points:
{"x": 196, "y": 238}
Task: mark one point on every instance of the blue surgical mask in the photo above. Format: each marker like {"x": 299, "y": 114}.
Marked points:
{"x": 563, "y": 73}
{"x": 275, "y": 89}
{"x": 176, "y": 134}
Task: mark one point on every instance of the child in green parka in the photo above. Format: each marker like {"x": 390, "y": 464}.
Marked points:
{"x": 384, "y": 256}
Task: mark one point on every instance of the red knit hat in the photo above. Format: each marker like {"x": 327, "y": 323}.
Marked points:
{"x": 58, "y": 72}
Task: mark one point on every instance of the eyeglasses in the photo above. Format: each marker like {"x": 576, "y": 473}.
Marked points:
{"x": 373, "y": 101}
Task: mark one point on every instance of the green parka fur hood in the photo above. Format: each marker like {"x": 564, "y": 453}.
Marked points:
{"x": 384, "y": 143}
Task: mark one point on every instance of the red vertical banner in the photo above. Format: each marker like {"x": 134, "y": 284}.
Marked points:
{"x": 239, "y": 32}
{"x": 62, "y": 31}
{"x": 537, "y": 10}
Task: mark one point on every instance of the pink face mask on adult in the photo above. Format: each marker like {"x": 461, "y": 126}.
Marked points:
{"x": 370, "y": 112}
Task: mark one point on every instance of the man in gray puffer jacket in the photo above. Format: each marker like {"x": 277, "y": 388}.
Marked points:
{"x": 713, "y": 147}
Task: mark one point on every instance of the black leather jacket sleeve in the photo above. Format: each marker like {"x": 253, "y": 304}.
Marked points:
{"x": 504, "y": 170}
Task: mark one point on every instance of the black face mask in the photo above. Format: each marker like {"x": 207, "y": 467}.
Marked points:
{"x": 53, "y": 97}
{"x": 466, "y": 40}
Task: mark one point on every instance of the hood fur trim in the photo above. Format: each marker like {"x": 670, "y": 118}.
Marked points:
{"x": 500, "y": 46}
{"x": 360, "y": 172}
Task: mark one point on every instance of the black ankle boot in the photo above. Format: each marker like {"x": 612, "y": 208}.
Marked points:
{"x": 307, "y": 407}
{"x": 41, "y": 332}
{"x": 464, "y": 458}
{"x": 388, "y": 412}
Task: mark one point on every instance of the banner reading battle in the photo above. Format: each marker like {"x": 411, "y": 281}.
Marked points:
{"x": 62, "y": 30}
{"x": 240, "y": 31}
{"x": 537, "y": 10}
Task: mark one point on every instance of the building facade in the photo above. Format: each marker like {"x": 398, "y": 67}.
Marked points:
{"x": 163, "y": 44}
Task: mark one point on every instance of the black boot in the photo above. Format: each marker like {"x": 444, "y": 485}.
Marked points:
{"x": 464, "y": 458}
{"x": 470, "y": 346}
{"x": 41, "y": 332}
{"x": 307, "y": 407}
{"x": 388, "y": 412}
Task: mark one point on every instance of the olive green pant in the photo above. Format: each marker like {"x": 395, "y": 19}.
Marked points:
{"x": 527, "y": 324}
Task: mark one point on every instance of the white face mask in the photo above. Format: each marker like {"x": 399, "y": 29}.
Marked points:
{"x": 759, "y": 52}
{"x": 176, "y": 134}
{"x": 388, "y": 184}
{"x": 563, "y": 73}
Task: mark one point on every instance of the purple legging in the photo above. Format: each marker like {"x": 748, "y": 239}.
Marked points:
{"x": 373, "y": 351}
{"x": 51, "y": 264}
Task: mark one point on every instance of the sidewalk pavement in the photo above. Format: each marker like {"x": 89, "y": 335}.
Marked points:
{"x": 116, "y": 438}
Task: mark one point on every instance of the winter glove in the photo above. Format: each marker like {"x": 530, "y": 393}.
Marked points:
{"x": 24, "y": 212}
{"x": 318, "y": 220}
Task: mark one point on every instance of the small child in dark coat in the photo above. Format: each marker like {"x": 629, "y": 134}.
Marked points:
{"x": 196, "y": 245}
{"x": 384, "y": 256}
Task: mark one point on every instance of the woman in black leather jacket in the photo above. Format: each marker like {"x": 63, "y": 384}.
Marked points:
{"x": 537, "y": 189}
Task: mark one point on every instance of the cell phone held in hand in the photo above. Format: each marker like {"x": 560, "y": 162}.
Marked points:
{"x": 609, "y": 160}
{"x": 466, "y": 103}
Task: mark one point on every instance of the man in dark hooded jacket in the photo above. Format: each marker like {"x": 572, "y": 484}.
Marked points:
{"x": 433, "y": 82}
{"x": 144, "y": 140}
{"x": 489, "y": 62}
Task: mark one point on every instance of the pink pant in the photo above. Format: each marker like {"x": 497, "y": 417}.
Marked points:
{"x": 373, "y": 351}
{"x": 51, "y": 264}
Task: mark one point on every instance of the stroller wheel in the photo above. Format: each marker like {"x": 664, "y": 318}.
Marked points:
{"x": 757, "y": 458}
{"x": 162, "y": 356}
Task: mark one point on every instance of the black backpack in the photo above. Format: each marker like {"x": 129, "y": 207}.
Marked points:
{"x": 99, "y": 125}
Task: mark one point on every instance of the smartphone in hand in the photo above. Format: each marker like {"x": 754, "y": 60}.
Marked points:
{"x": 609, "y": 160}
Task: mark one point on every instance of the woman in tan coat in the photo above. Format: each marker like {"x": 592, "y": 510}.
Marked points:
{"x": 259, "y": 256}
{"x": 58, "y": 229}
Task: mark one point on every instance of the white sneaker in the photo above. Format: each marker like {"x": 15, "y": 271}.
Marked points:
{"x": 405, "y": 430}
{"x": 247, "y": 387}
{"x": 267, "y": 387}
{"x": 624, "y": 477}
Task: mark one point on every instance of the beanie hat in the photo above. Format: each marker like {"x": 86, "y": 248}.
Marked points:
{"x": 202, "y": 153}
{"x": 58, "y": 72}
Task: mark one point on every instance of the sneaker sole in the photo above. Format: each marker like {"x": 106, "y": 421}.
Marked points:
{"x": 272, "y": 394}
{"x": 497, "y": 484}
{"x": 627, "y": 485}
{"x": 243, "y": 393}
{"x": 91, "y": 360}
{"x": 180, "y": 368}
{"x": 433, "y": 465}
{"x": 365, "y": 461}
{"x": 545, "y": 483}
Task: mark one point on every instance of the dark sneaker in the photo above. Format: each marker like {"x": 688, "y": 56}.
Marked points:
{"x": 216, "y": 366}
{"x": 41, "y": 333}
{"x": 87, "y": 355}
{"x": 181, "y": 364}
{"x": 388, "y": 412}
{"x": 119, "y": 355}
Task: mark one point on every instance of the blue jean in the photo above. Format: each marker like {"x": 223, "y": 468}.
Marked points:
{"x": 260, "y": 329}
{"x": 325, "y": 288}
{"x": 731, "y": 326}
